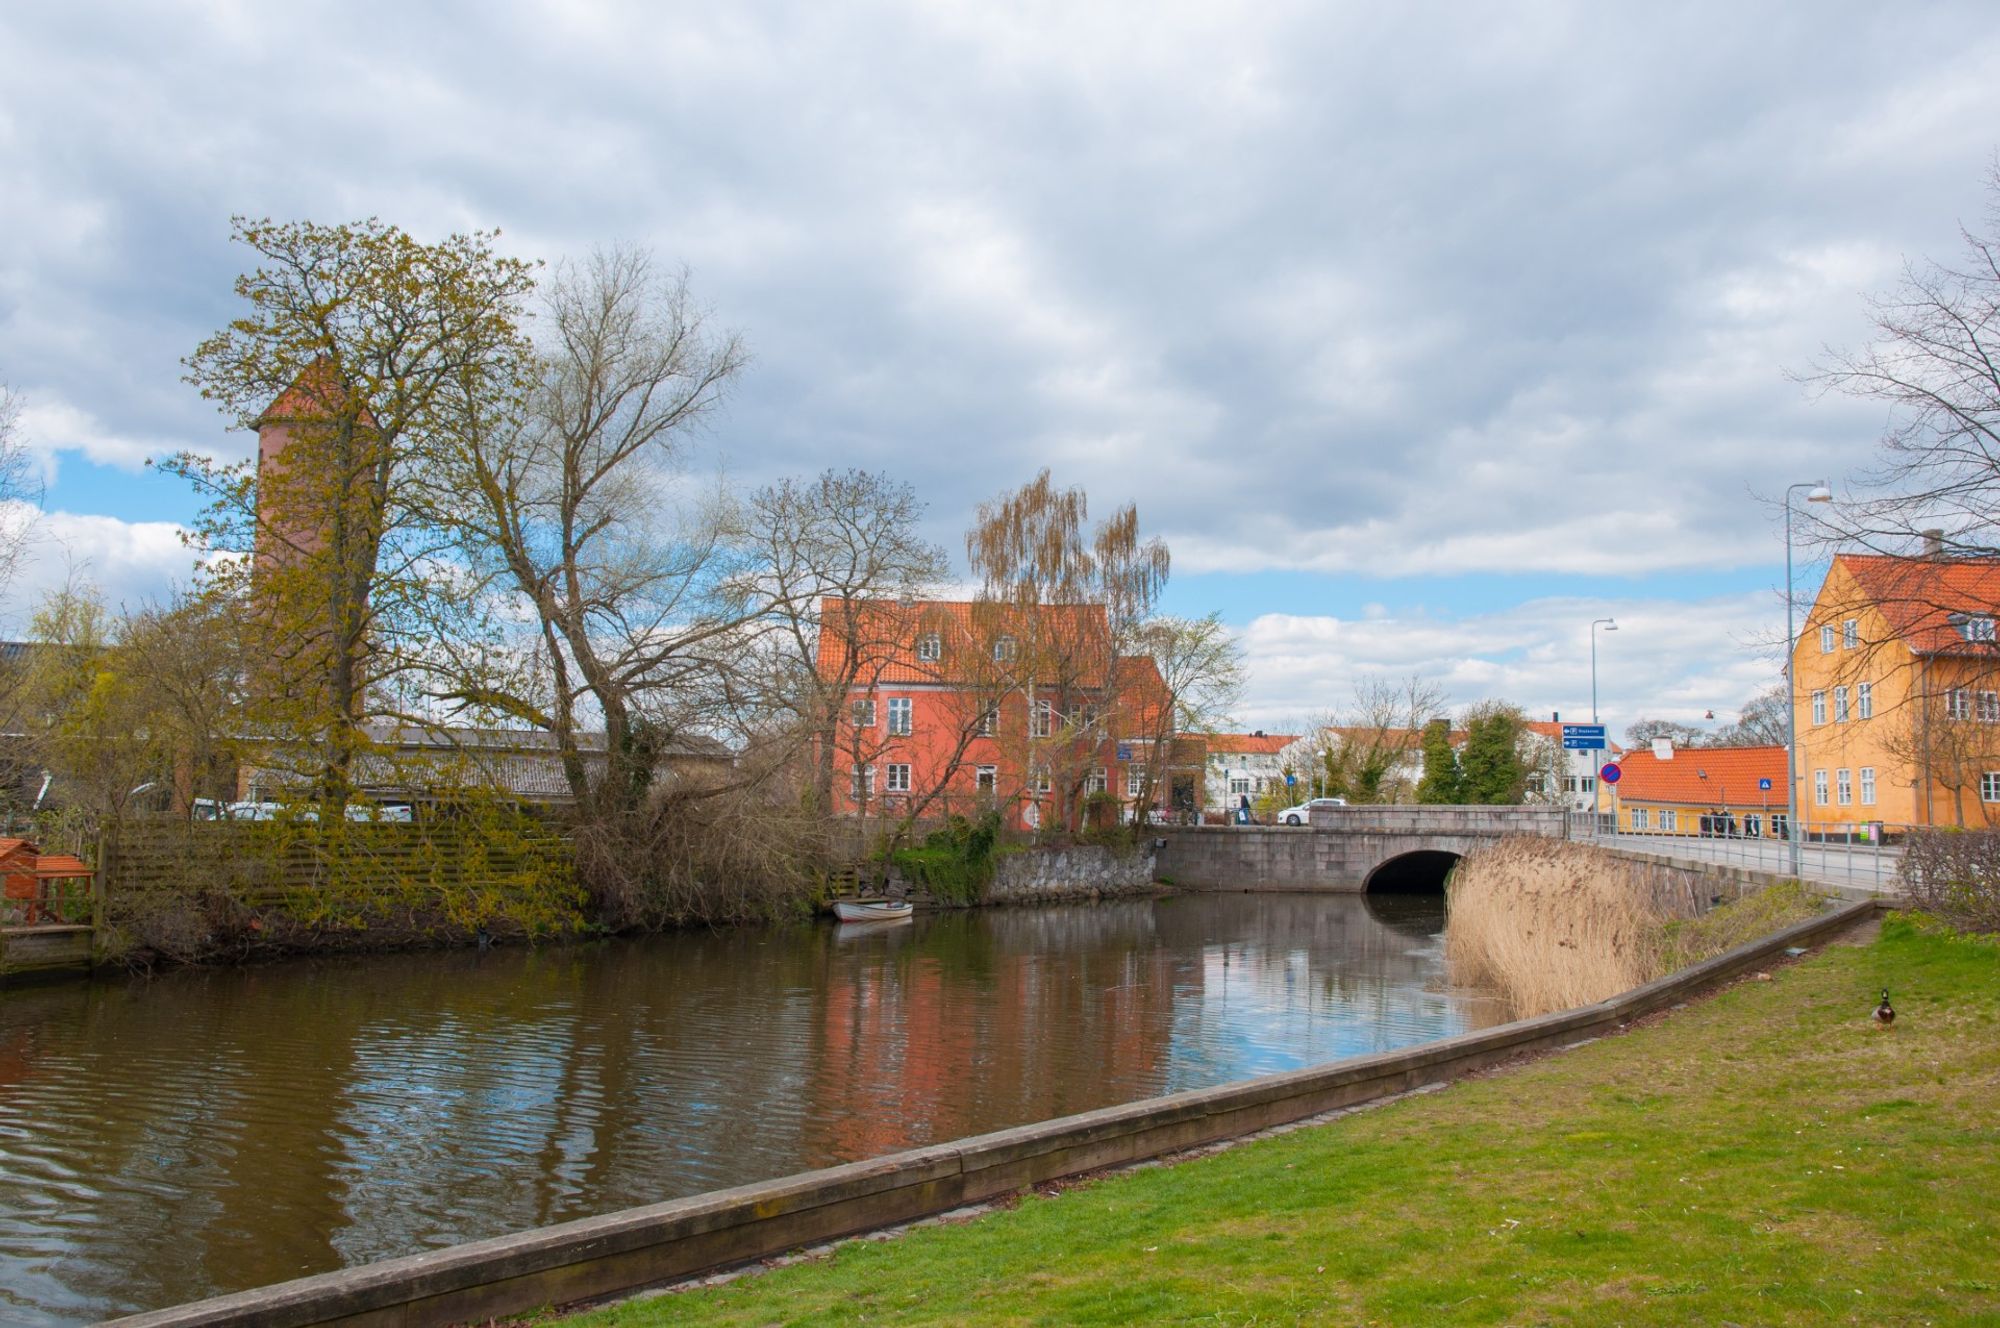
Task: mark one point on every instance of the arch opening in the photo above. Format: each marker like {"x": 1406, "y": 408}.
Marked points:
{"x": 1420, "y": 872}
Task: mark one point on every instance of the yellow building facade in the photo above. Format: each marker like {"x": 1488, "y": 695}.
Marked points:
{"x": 1897, "y": 695}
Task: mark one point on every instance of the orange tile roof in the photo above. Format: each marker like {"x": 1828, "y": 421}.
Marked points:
{"x": 1731, "y": 772}
{"x": 61, "y": 866}
{"x": 1918, "y": 597}
{"x": 8, "y": 846}
{"x": 888, "y": 631}
{"x": 1254, "y": 744}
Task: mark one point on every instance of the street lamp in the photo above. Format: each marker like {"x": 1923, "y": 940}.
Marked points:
{"x": 1610, "y": 625}
{"x": 1817, "y": 491}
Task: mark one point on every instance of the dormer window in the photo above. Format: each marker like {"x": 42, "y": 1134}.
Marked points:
{"x": 930, "y": 647}
{"x": 1974, "y": 627}
{"x": 1003, "y": 649}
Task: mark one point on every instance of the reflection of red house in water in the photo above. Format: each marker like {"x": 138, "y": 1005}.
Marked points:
{"x": 954, "y": 706}
{"x": 31, "y": 881}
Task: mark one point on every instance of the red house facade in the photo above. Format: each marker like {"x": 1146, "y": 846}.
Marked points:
{"x": 958, "y": 707}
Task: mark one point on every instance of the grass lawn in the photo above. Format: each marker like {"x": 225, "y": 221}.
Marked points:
{"x": 1764, "y": 1157}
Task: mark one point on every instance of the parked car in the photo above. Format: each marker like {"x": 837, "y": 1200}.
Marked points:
{"x": 1302, "y": 814}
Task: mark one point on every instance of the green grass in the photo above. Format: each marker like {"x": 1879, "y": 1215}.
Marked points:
{"x": 1765, "y": 1157}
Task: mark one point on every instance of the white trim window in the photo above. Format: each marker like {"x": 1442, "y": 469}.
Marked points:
{"x": 1843, "y": 787}
{"x": 1004, "y": 649}
{"x": 1840, "y": 705}
{"x": 988, "y": 722}
{"x": 861, "y": 714}
{"x": 1864, "y": 701}
{"x": 1989, "y": 707}
{"x": 1042, "y": 719}
{"x": 1976, "y": 627}
{"x": 899, "y": 716}
{"x": 1989, "y": 786}
{"x": 1641, "y": 819}
{"x": 1958, "y": 703}
{"x": 1819, "y": 788}
{"x": 985, "y": 778}
{"x": 1043, "y": 783}
{"x": 899, "y": 778}
{"x": 1826, "y": 639}
{"x": 930, "y": 647}
{"x": 1670, "y": 819}
{"x": 1100, "y": 782}
{"x": 1135, "y": 781}
{"x": 1867, "y": 786}
{"x": 1819, "y": 707}
{"x": 861, "y": 783}
{"x": 1239, "y": 785}
{"x": 1850, "y": 634}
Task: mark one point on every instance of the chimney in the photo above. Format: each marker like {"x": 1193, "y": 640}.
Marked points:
{"x": 1663, "y": 749}
{"x": 1933, "y": 543}
{"x": 1258, "y": 734}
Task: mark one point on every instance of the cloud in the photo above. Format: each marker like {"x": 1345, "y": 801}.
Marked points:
{"x": 1666, "y": 660}
{"x": 132, "y": 562}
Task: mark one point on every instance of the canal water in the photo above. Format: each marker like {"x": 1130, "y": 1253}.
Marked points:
{"x": 203, "y": 1132}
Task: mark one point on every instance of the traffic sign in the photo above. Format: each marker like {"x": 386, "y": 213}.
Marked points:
{"x": 1610, "y": 774}
{"x": 1583, "y": 738}
{"x": 1290, "y": 779}
{"x": 1764, "y": 785}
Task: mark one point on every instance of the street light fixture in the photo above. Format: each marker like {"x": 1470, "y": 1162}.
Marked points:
{"x": 1610, "y": 625}
{"x": 1817, "y": 491}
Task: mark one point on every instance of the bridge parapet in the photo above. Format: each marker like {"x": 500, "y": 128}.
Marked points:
{"x": 1482, "y": 821}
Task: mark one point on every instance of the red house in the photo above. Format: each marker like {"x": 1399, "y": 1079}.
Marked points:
{"x": 956, "y": 707}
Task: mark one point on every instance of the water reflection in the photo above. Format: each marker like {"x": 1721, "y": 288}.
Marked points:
{"x": 208, "y": 1131}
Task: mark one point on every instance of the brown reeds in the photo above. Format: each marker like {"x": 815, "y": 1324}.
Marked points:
{"x": 1551, "y": 925}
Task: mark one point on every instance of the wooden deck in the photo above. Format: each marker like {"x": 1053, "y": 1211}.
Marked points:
{"x": 53, "y": 950}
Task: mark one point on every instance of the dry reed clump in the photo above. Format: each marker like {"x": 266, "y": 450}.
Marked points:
{"x": 1551, "y": 925}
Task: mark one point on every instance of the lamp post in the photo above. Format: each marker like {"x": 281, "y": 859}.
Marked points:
{"x": 1818, "y": 491}
{"x": 1610, "y": 625}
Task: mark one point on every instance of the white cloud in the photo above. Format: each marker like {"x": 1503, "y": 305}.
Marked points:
{"x": 131, "y": 562}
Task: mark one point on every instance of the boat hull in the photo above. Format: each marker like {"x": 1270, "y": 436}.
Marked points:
{"x": 871, "y": 910}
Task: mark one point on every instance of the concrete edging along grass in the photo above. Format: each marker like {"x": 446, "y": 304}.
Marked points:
{"x": 640, "y": 1247}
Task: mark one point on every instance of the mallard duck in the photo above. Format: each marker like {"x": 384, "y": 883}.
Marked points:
{"x": 1885, "y": 1013}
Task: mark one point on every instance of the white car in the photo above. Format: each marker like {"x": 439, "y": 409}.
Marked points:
{"x": 1302, "y": 814}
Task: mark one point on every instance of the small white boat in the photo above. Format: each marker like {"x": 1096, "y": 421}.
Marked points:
{"x": 871, "y": 910}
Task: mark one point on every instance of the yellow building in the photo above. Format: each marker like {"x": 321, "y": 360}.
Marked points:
{"x": 1897, "y": 696}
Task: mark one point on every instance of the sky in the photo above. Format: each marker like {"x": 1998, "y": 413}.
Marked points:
{"x": 1423, "y": 334}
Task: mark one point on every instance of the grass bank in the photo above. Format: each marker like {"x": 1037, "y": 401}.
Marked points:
{"x": 1763, "y": 1157}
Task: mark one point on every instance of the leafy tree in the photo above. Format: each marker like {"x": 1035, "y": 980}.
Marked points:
{"x": 363, "y": 346}
{"x": 1491, "y": 767}
{"x": 19, "y": 489}
{"x": 1443, "y": 783}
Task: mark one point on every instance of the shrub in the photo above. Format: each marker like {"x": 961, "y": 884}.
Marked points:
{"x": 1954, "y": 875}
{"x": 955, "y": 862}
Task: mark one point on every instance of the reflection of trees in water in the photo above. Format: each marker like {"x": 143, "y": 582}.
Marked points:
{"x": 214, "y": 1130}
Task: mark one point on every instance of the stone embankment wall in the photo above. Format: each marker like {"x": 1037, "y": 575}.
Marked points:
{"x": 1084, "y": 871}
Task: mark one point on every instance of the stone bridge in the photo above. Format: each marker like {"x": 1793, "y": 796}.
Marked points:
{"x": 1348, "y": 849}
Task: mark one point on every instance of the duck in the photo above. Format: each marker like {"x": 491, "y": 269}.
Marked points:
{"x": 1885, "y": 1013}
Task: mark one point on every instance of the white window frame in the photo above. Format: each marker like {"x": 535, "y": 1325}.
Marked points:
{"x": 1669, "y": 819}
{"x": 1840, "y": 704}
{"x": 985, "y": 778}
{"x": 1042, "y": 782}
{"x": 1989, "y": 786}
{"x": 855, "y": 711}
{"x": 1843, "y": 787}
{"x": 1003, "y": 649}
{"x": 1826, "y": 639}
{"x": 1978, "y": 627}
{"x": 988, "y": 722}
{"x": 902, "y": 717}
{"x": 1239, "y": 785}
{"x": 1135, "y": 781}
{"x": 1958, "y": 703}
{"x": 1100, "y": 782}
{"x": 1819, "y": 707}
{"x": 1867, "y": 786}
{"x": 1641, "y": 819}
{"x": 930, "y": 647}
{"x": 898, "y": 777}
{"x": 1864, "y": 701}
{"x": 1819, "y": 788}
{"x": 857, "y": 779}
{"x": 1989, "y": 707}
{"x": 1042, "y": 719}
{"x": 1850, "y": 634}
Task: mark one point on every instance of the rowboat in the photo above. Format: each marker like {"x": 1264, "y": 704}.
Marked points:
{"x": 871, "y": 910}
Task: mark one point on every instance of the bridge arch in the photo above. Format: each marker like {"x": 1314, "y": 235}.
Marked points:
{"x": 1418, "y": 871}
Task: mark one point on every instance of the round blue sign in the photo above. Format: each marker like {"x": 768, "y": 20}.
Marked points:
{"x": 1610, "y": 773}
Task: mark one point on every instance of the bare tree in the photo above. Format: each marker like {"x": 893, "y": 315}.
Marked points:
{"x": 1367, "y": 751}
{"x": 1761, "y": 723}
{"x": 20, "y": 488}
{"x": 574, "y": 502}
{"x": 1200, "y": 680}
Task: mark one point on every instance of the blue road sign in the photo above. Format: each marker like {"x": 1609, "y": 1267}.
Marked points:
{"x": 1124, "y": 752}
{"x": 1610, "y": 774}
{"x": 1291, "y": 779}
{"x": 1764, "y": 785}
{"x": 1583, "y": 738}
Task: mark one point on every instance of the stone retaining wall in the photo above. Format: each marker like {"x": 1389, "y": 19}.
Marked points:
{"x": 622, "y": 1252}
{"x": 1084, "y": 871}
